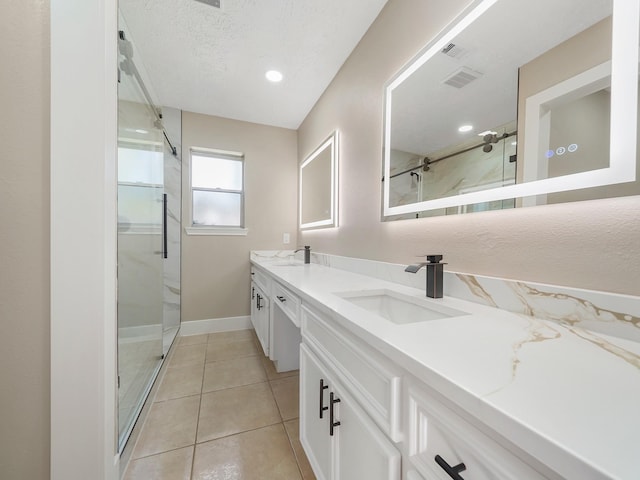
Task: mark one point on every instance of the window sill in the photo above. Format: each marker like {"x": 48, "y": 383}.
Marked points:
{"x": 228, "y": 231}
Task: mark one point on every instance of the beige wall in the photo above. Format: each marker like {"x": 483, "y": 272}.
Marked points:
{"x": 24, "y": 240}
{"x": 215, "y": 269}
{"x": 576, "y": 55}
{"x": 590, "y": 244}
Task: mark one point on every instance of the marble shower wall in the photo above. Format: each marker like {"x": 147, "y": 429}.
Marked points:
{"x": 466, "y": 172}
{"x": 172, "y": 120}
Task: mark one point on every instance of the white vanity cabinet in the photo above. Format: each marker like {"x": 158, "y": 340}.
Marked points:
{"x": 441, "y": 445}
{"x": 260, "y": 308}
{"x": 284, "y": 328}
{"x": 341, "y": 441}
{"x": 349, "y": 408}
{"x": 385, "y": 414}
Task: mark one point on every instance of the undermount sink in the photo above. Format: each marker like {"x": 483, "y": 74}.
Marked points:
{"x": 399, "y": 308}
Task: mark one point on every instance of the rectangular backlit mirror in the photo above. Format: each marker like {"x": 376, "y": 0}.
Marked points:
{"x": 318, "y": 186}
{"x": 516, "y": 103}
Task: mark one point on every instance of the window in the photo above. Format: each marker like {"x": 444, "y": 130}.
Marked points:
{"x": 140, "y": 187}
{"x": 217, "y": 192}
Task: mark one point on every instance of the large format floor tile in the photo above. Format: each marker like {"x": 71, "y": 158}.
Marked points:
{"x": 263, "y": 454}
{"x": 193, "y": 339}
{"x": 169, "y": 425}
{"x": 232, "y": 349}
{"x": 233, "y": 336}
{"x": 287, "y": 394}
{"x": 224, "y": 409}
{"x": 181, "y": 382}
{"x": 185, "y": 355}
{"x": 234, "y": 372}
{"x": 293, "y": 431}
{"x": 173, "y": 465}
{"x": 234, "y": 410}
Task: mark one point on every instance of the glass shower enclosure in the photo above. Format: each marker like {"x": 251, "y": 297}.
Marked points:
{"x": 148, "y": 239}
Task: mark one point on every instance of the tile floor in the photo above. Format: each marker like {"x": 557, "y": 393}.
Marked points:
{"x": 222, "y": 412}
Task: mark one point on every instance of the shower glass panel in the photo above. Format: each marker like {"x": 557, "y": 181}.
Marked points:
{"x": 140, "y": 250}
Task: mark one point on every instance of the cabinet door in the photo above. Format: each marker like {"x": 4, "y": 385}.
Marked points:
{"x": 314, "y": 431}
{"x": 254, "y": 310}
{"x": 361, "y": 450}
{"x": 263, "y": 323}
{"x": 260, "y": 315}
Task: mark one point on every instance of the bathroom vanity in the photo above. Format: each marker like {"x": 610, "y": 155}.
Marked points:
{"x": 463, "y": 391}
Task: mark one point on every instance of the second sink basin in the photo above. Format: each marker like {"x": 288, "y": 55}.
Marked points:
{"x": 399, "y": 308}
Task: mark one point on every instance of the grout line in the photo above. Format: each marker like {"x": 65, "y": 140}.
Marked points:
{"x": 240, "y": 433}
{"x": 159, "y": 453}
{"x": 234, "y": 386}
{"x": 231, "y": 358}
{"x": 293, "y": 449}
{"x": 195, "y": 438}
{"x": 196, "y": 443}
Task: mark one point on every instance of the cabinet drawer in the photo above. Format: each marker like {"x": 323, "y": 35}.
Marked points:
{"x": 371, "y": 379}
{"x": 435, "y": 430}
{"x": 289, "y": 302}
{"x": 261, "y": 279}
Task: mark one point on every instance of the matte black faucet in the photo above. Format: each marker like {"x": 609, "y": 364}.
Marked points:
{"x": 307, "y": 253}
{"x": 435, "y": 274}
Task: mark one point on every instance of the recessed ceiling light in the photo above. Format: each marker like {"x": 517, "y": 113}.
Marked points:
{"x": 273, "y": 76}
{"x": 465, "y": 128}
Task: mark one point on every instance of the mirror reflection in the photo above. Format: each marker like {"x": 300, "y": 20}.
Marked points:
{"x": 317, "y": 186}
{"x": 517, "y": 92}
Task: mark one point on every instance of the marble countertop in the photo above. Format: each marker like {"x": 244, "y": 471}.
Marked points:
{"x": 567, "y": 396}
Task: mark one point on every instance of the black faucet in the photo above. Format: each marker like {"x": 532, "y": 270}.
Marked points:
{"x": 435, "y": 274}
{"x": 307, "y": 253}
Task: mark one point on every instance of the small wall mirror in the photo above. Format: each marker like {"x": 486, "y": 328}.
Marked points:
{"x": 318, "y": 186}
{"x": 517, "y": 103}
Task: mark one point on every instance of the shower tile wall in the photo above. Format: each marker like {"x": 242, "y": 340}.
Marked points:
{"x": 172, "y": 120}
{"x": 470, "y": 171}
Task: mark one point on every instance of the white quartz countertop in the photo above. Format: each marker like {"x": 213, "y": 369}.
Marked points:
{"x": 568, "y": 397}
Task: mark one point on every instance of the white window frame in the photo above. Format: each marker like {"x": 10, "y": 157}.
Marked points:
{"x": 212, "y": 229}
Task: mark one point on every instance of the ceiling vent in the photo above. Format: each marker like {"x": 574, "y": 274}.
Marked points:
{"x": 213, "y": 3}
{"x": 462, "y": 77}
{"x": 454, "y": 51}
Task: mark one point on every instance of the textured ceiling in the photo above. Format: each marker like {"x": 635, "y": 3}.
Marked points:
{"x": 208, "y": 60}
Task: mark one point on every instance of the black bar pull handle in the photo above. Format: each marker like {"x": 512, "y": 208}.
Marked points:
{"x": 454, "y": 471}
{"x": 332, "y": 400}
{"x": 282, "y": 299}
{"x": 165, "y": 243}
{"x": 258, "y": 298}
{"x": 323, "y": 387}
{"x": 253, "y": 293}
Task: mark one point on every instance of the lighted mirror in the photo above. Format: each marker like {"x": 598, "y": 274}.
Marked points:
{"x": 318, "y": 185}
{"x": 516, "y": 103}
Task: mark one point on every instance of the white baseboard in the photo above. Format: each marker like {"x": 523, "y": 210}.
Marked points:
{"x": 214, "y": 325}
